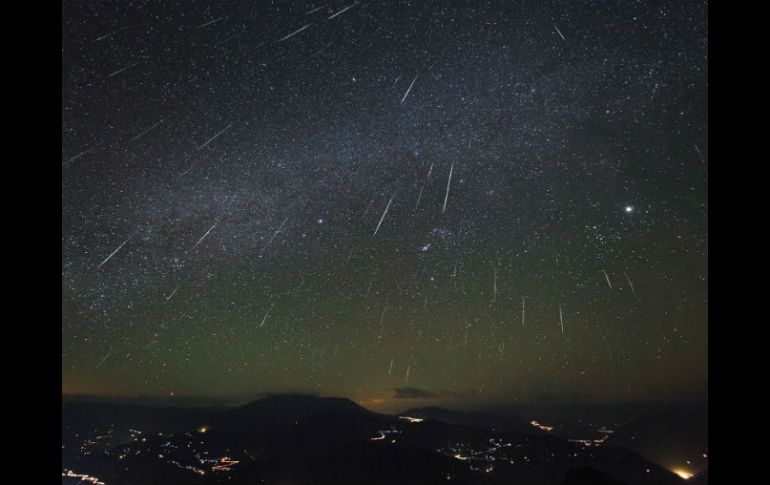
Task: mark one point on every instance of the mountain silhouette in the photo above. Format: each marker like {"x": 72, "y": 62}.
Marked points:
{"x": 671, "y": 436}
{"x": 309, "y": 440}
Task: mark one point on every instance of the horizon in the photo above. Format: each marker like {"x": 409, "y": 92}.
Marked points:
{"x": 391, "y": 408}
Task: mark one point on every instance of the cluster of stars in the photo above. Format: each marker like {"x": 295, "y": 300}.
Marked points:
{"x": 261, "y": 197}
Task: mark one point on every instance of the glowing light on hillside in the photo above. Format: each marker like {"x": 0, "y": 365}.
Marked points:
{"x": 411, "y": 420}
{"x": 541, "y": 426}
{"x": 682, "y": 473}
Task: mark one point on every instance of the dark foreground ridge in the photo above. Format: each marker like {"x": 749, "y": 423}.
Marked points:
{"x": 310, "y": 440}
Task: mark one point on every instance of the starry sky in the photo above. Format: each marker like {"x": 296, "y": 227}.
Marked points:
{"x": 398, "y": 202}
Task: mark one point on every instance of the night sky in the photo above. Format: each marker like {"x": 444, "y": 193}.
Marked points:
{"x": 464, "y": 202}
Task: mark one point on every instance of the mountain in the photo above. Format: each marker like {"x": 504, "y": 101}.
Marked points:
{"x": 672, "y": 436}
{"x": 294, "y": 420}
{"x": 308, "y": 440}
{"x": 283, "y": 410}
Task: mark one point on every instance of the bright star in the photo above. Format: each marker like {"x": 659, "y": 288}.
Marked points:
{"x": 629, "y": 209}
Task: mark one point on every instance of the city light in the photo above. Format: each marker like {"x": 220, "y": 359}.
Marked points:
{"x": 411, "y": 420}
{"x": 541, "y": 426}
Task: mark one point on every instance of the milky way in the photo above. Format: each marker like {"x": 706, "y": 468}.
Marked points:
{"x": 495, "y": 201}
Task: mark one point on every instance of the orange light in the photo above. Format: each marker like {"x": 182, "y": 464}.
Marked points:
{"x": 682, "y": 473}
